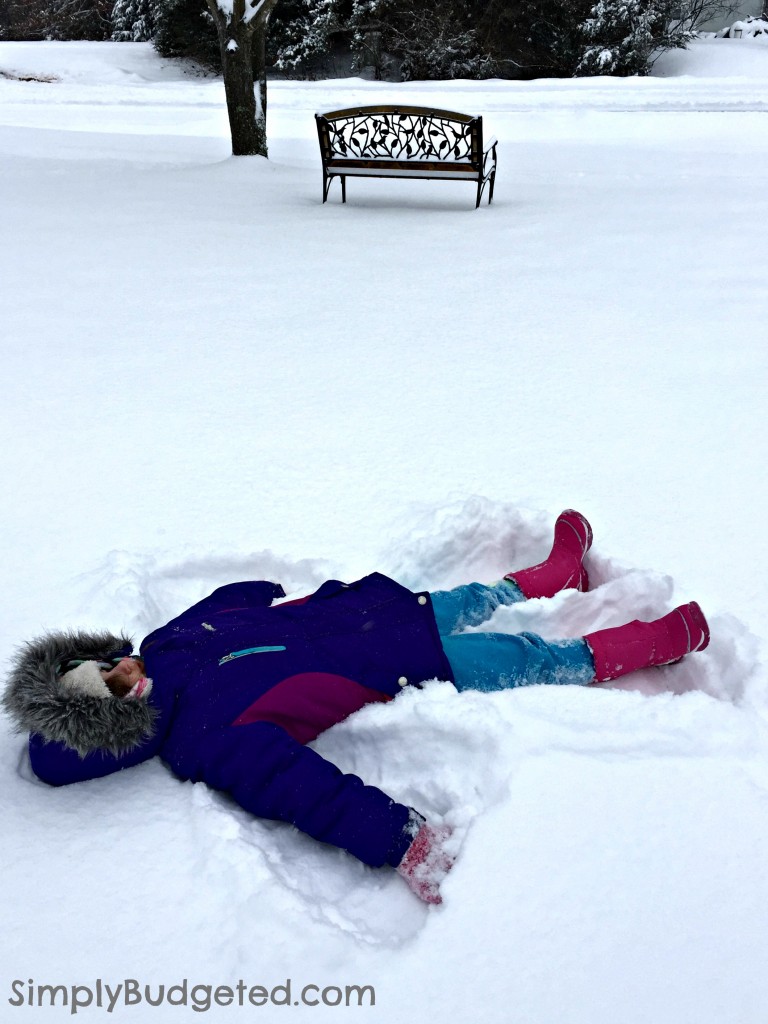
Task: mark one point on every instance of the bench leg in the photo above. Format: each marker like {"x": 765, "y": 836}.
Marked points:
{"x": 479, "y": 193}
{"x": 326, "y": 186}
{"x": 490, "y": 189}
{"x": 343, "y": 188}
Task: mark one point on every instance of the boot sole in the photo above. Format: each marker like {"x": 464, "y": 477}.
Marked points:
{"x": 586, "y": 544}
{"x": 695, "y": 618}
{"x": 698, "y": 619}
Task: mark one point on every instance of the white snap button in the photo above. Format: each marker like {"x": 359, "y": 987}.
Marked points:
{"x": 402, "y": 681}
{"x": 422, "y": 599}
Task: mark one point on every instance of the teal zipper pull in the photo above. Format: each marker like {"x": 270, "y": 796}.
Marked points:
{"x": 248, "y": 650}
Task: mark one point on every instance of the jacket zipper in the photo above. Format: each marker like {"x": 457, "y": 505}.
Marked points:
{"x": 248, "y": 650}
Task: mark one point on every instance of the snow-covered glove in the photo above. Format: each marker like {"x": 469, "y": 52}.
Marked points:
{"x": 426, "y": 862}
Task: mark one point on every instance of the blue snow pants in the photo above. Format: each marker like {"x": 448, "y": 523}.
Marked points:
{"x": 499, "y": 661}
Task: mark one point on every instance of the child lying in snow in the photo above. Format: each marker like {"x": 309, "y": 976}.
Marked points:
{"x": 231, "y": 691}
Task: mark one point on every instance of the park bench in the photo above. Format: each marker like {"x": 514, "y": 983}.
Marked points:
{"x": 404, "y": 142}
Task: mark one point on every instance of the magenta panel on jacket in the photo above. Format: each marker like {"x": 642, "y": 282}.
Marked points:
{"x": 309, "y": 703}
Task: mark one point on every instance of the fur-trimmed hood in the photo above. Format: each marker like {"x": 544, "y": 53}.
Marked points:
{"x": 38, "y": 703}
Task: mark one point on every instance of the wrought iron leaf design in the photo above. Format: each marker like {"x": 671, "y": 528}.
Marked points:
{"x": 400, "y": 136}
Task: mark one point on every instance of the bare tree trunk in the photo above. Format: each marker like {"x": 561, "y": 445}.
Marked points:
{"x": 243, "y": 57}
{"x": 247, "y": 140}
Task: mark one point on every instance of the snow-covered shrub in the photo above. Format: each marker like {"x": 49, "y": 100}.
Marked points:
{"x": 185, "y": 28}
{"x": 443, "y": 39}
{"x": 133, "y": 21}
{"x": 437, "y": 42}
{"x": 57, "y": 19}
{"x": 389, "y": 38}
{"x": 621, "y": 37}
{"x": 553, "y": 38}
{"x": 301, "y": 39}
{"x": 534, "y": 38}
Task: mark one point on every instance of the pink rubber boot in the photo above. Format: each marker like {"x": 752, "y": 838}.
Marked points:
{"x": 625, "y": 649}
{"x": 563, "y": 567}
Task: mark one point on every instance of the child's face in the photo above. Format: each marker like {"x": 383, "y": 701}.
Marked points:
{"x": 124, "y": 676}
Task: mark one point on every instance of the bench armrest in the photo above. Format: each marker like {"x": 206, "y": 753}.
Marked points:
{"x": 489, "y": 162}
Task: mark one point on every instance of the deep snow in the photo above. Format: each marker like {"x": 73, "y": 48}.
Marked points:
{"x": 211, "y": 376}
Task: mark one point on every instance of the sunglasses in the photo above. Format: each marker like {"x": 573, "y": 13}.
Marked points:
{"x": 106, "y": 663}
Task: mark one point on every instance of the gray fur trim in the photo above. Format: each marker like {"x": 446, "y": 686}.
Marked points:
{"x": 37, "y": 702}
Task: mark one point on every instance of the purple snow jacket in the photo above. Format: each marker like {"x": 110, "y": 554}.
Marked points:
{"x": 241, "y": 686}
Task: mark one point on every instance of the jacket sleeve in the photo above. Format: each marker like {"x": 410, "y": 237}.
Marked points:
{"x": 248, "y": 594}
{"x": 60, "y": 766}
{"x": 273, "y": 776}
{"x": 233, "y": 596}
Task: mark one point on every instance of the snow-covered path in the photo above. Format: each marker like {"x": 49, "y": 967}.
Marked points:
{"x": 211, "y": 376}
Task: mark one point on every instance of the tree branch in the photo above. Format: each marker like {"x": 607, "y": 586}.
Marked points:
{"x": 260, "y": 10}
{"x": 218, "y": 14}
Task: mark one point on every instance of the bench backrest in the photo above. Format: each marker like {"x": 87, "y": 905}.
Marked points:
{"x": 401, "y": 133}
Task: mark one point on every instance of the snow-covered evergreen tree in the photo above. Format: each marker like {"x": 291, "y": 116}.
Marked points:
{"x": 307, "y": 36}
{"x": 437, "y": 41}
{"x": 533, "y": 38}
{"x": 622, "y": 36}
{"x": 185, "y": 28}
{"x": 433, "y": 39}
{"x": 133, "y": 20}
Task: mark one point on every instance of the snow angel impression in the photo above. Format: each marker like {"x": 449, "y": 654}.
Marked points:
{"x": 231, "y": 691}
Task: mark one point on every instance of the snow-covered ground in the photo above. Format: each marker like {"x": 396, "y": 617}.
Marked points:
{"x": 211, "y": 376}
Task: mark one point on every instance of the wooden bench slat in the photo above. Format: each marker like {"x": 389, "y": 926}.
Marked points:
{"x": 340, "y": 163}
{"x": 405, "y": 172}
{"x": 450, "y": 115}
